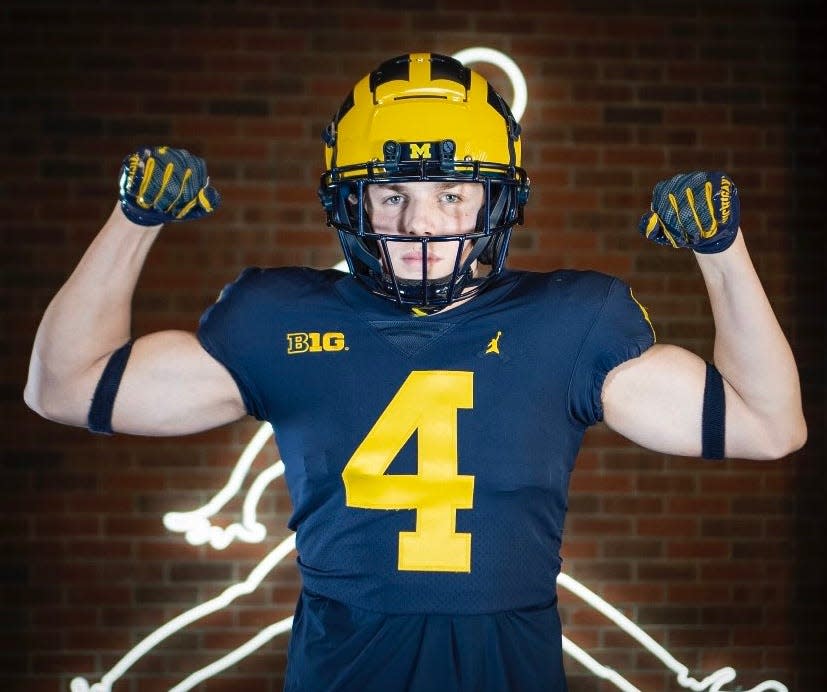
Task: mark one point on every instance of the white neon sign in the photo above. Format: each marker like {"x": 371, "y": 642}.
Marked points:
{"x": 469, "y": 56}
{"x": 198, "y": 529}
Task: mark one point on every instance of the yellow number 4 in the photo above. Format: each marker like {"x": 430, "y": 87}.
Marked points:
{"x": 426, "y": 403}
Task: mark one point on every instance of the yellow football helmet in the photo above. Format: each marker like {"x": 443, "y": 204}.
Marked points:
{"x": 424, "y": 117}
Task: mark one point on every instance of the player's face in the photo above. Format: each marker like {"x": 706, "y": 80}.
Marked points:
{"x": 420, "y": 209}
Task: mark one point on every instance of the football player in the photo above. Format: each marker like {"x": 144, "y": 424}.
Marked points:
{"x": 429, "y": 403}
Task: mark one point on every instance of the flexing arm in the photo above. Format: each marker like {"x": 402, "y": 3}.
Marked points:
{"x": 170, "y": 386}
{"x": 656, "y": 400}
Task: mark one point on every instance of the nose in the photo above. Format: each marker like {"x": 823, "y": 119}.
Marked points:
{"x": 419, "y": 218}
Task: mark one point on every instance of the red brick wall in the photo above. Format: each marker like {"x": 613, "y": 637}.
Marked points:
{"x": 719, "y": 562}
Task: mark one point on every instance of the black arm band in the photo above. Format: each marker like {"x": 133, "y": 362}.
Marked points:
{"x": 100, "y": 412}
{"x": 713, "y": 421}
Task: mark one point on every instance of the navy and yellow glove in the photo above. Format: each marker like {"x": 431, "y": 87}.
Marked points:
{"x": 696, "y": 210}
{"x": 162, "y": 184}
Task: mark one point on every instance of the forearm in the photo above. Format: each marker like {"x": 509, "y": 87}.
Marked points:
{"x": 88, "y": 318}
{"x": 753, "y": 355}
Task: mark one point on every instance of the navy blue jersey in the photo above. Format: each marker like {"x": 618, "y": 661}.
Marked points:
{"x": 427, "y": 458}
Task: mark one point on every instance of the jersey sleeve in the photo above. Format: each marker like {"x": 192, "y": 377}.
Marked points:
{"x": 228, "y": 331}
{"x": 620, "y": 330}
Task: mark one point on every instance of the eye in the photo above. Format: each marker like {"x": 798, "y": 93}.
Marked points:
{"x": 392, "y": 200}
{"x": 451, "y": 197}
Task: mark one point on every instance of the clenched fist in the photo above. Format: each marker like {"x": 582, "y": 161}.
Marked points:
{"x": 697, "y": 210}
{"x": 162, "y": 184}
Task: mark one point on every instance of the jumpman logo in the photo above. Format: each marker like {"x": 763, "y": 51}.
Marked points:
{"x": 494, "y": 344}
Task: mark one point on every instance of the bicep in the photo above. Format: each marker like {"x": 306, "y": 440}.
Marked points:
{"x": 656, "y": 400}
{"x": 172, "y": 386}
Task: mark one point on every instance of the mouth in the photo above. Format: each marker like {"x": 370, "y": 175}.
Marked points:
{"x": 415, "y": 259}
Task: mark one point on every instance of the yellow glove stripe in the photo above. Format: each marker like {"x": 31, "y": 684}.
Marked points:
{"x": 187, "y": 176}
{"x": 668, "y": 235}
{"x": 652, "y": 224}
{"x": 187, "y": 208}
{"x": 714, "y": 229}
{"x": 690, "y": 197}
{"x": 169, "y": 169}
{"x": 204, "y": 200}
{"x": 149, "y": 167}
{"x": 674, "y": 202}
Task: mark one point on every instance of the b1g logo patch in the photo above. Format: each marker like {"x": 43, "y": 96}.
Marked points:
{"x": 315, "y": 342}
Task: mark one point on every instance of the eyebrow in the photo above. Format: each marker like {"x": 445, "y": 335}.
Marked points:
{"x": 400, "y": 187}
